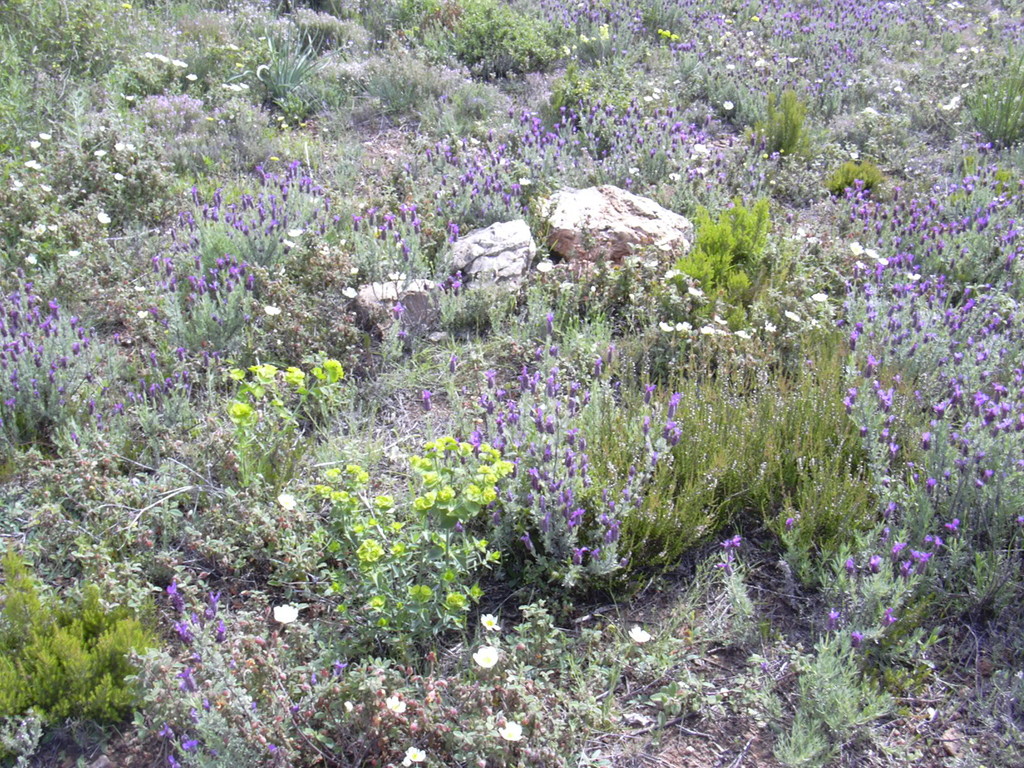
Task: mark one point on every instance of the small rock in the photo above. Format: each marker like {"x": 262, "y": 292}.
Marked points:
{"x": 500, "y": 254}
{"x": 375, "y": 304}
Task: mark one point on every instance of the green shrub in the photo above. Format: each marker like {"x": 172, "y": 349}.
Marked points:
{"x": 727, "y": 251}
{"x": 492, "y": 38}
{"x": 614, "y": 83}
{"x": 998, "y": 104}
{"x": 784, "y": 129}
{"x": 849, "y": 173}
{"x": 406, "y": 569}
{"x": 837, "y": 703}
{"x": 745, "y": 448}
{"x": 272, "y": 412}
{"x": 67, "y": 660}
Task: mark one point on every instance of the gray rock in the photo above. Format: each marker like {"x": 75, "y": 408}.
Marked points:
{"x": 496, "y": 255}
{"x": 375, "y": 303}
{"x": 588, "y": 225}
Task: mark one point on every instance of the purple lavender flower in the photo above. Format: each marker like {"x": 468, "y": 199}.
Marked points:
{"x": 188, "y": 682}
{"x": 177, "y": 601}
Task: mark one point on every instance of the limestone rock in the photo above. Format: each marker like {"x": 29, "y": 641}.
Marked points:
{"x": 375, "y": 304}
{"x": 607, "y": 222}
{"x": 496, "y": 255}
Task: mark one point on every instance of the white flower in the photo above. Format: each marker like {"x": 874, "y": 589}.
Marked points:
{"x": 142, "y": 314}
{"x": 856, "y": 249}
{"x": 486, "y": 656}
{"x": 287, "y": 502}
{"x": 770, "y": 327}
{"x": 100, "y": 153}
{"x": 32, "y": 165}
{"x": 819, "y": 297}
{"x": 285, "y": 614}
{"x": 638, "y": 635}
{"x": 179, "y": 63}
{"x": 271, "y": 310}
{"x": 102, "y": 217}
{"x": 191, "y": 77}
{"x": 743, "y": 334}
{"x": 35, "y": 144}
{"x": 512, "y": 731}
{"x": 31, "y": 259}
{"x": 674, "y": 176}
{"x": 118, "y": 177}
{"x": 683, "y": 327}
{"x": 349, "y": 293}
{"x": 414, "y": 755}
{"x": 74, "y": 254}
{"x": 728, "y": 106}
{"x": 707, "y": 330}
{"x": 490, "y": 622}
{"x": 695, "y": 291}
{"x": 793, "y": 316}
{"x": 295, "y": 232}
{"x": 545, "y": 266}
{"x": 700, "y": 150}
{"x": 665, "y": 327}
{"x": 45, "y": 136}
{"x": 349, "y": 706}
{"x": 396, "y": 705}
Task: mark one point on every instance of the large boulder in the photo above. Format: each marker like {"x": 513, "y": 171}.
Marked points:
{"x": 496, "y": 255}
{"x": 606, "y": 222}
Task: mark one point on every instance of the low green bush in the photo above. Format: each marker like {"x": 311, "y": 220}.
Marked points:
{"x": 68, "y": 660}
{"x": 850, "y": 173}
{"x": 726, "y": 253}
{"x": 745, "y": 446}
{"x": 493, "y": 38}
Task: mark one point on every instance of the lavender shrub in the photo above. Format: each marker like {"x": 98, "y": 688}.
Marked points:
{"x": 49, "y": 370}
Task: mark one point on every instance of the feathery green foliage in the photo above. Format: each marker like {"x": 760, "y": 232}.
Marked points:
{"x": 66, "y": 660}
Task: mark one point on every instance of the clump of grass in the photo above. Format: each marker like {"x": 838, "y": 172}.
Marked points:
{"x": 784, "y": 130}
{"x": 998, "y": 104}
